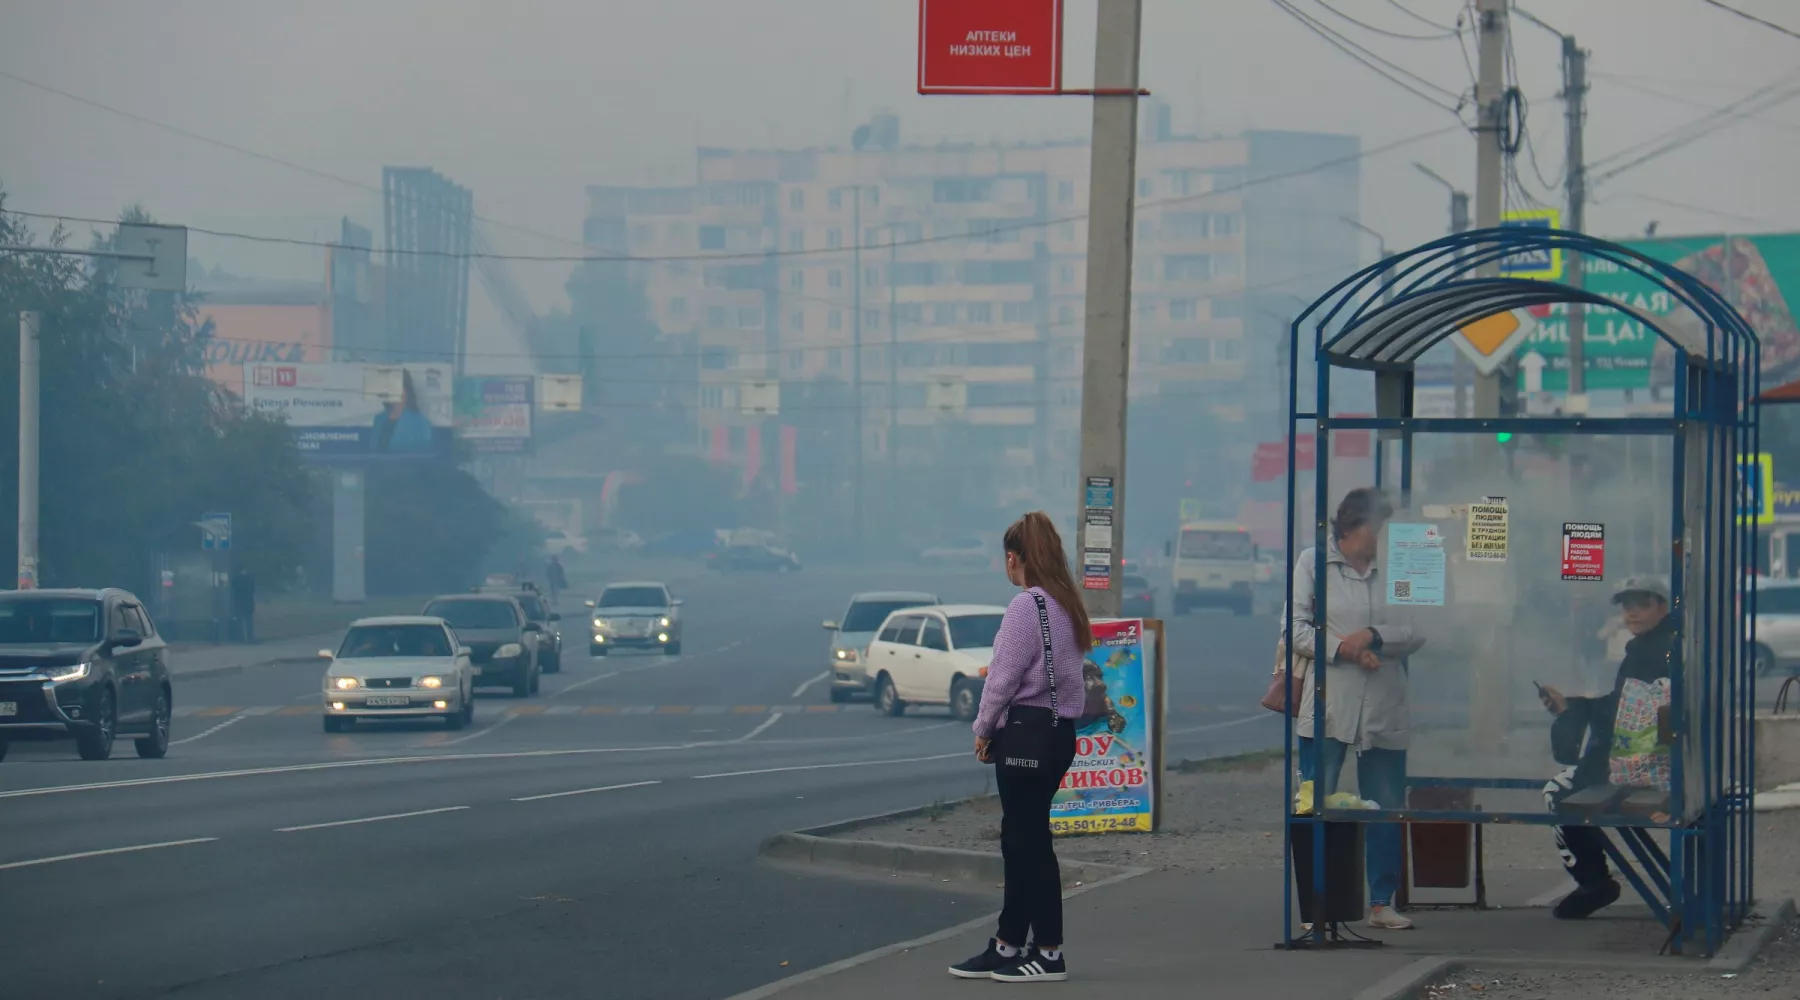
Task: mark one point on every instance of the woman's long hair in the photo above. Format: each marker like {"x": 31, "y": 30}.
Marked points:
{"x": 1034, "y": 539}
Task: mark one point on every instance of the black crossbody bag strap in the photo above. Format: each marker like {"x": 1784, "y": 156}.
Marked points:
{"x": 1049, "y": 655}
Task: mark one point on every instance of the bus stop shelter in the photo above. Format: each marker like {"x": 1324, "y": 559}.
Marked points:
{"x": 1509, "y": 535}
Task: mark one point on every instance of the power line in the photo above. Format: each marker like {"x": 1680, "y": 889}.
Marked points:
{"x": 1642, "y": 152}
{"x": 1369, "y": 59}
{"x": 1746, "y": 15}
{"x": 986, "y": 233}
{"x": 1422, "y": 19}
{"x": 1629, "y": 83}
{"x": 1688, "y": 206}
{"x": 1403, "y": 36}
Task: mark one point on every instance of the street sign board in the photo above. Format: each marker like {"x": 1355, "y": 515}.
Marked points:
{"x": 1756, "y": 489}
{"x": 1544, "y": 265}
{"x": 215, "y": 532}
{"x": 1489, "y": 341}
{"x": 165, "y": 270}
{"x": 990, "y": 47}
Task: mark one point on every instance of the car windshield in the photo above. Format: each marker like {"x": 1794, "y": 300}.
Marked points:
{"x": 365, "y": 641}
{"x": 1778, "y": 600}
{"x": 974, "y": 631}
{"x": 867, "y": 616}
{"x": 33, "y": 620}
{"x": 1202, "y": 544}
{"x": 473, "y": 614}
{"x": 632, "y": 597}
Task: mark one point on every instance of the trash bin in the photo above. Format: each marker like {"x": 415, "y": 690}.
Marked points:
{"x": 1345, "y": 901}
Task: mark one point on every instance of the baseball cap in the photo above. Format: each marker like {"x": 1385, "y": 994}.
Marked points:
{"x": 1642, "y": 583}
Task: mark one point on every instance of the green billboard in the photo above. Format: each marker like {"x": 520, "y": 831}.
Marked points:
{"x": 1758, "y": 275}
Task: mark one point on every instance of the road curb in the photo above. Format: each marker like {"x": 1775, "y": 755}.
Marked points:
{"x": 1742, "y": 948}
{"x": 875, "y": 819}
{"x": 238, "y": 668}
{"x": 945, "y": 863}
{"x": 876, "y": 954}
{"x": 1411, "y": 981}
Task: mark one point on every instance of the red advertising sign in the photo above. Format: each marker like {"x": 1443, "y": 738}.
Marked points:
{"x": 1583, "y": 551}
{"x": 789, "y": 438}
{"x": 990, "y": 46}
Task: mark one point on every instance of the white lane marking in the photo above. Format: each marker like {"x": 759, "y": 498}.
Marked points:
{"x": 368, "y": 819}
{"x": 169, "y": 779}
{"x": 820, "y": 767}
{"x": 109, "y": 850}
{"x": 204, "y": 734}
{"x": 761, "y": 727}
{"x": 586, "y": 791}
{"x": 502, "y": 724}
{"x": 802, "y": 688}
{"x": 1219, "y": 725}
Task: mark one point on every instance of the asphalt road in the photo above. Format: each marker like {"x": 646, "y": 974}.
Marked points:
{"x": 597, "y": 840}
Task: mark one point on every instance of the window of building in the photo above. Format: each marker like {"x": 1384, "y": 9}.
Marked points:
{"x": 678, "y": 307}
{"x": 712, "y": 237}
{"x": 981, "y": 312}
{"x": 797, "y": 280}
{"x": 715, "y": 317}
{"x": 677, "y": 233}
{"x": 716, "y": 359}
{"x": 960, "y": 190}
{"x": 797, "y": 239}
{"x": 797, "y": 321}
{"x": 1067, "y": 232}
{"x": 836, "y": 320}
{"x": 1226, "y": 265}
{"x": 796, "y": 360}
{"x": 871, "y": 276}
{"x": 1065, "y": 314}
{"x": 1227, "y": 308}
{"x": 834, "y": 238}
{"x": 1146, "y": 232}
{"x": 918, "y": 355}
{"x": 1188, "y": 267}
{"x": 1189, "y": 351}
{"x": 643, "y": 234}
{"x": 749, "y": 318}
{"x": 834, "y": 359}
{"x": 943, "y": 313}
{"x": 1065, "y": 275}
{"x": 1145, "y": 187}
{"x": 1002, "y": 354}
{"x": 837, "y": 198}
{"x": 712, "y": 397}
{"x": 1188, "y": 225}
{"x": 872, "y": 319}
{"x": 1183, "y": 308}
{"x": 922, "y": 272}
{"x": 910, "y": 312}
{"x": 1065, "y": 192}
{"x": 1002, "y": 394}
{"x": 872, "y": 237}
{"x": 1019, "y": 312}
{"x": 834, "y": 279}
{"x": 1229, "y": 349}
{"x": 1226, "y": 224}
{"x": 998, "y": 272}
{"x": 796, "y": 199}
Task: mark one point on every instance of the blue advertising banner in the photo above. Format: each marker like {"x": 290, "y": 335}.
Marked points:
{"x": 357, "y": 412}
{"x": 1112, "y": 784}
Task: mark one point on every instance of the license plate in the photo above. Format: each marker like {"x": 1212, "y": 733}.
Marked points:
{"x": 387, "y": 702}
{"x": 9, "y": 708}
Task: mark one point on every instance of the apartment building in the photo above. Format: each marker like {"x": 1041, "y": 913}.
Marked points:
{"x": 937, "y": 293}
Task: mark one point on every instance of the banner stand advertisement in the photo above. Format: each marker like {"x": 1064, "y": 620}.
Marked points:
{"x": 1116, "y": 781}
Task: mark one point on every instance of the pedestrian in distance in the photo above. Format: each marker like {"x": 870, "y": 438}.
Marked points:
{"x": 556, "y": 578}
{"x": 1030, "y": 708}
{"x": 1365, "y": 684}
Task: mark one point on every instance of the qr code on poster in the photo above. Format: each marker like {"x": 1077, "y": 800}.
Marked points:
{"x": 1402, "y": 590}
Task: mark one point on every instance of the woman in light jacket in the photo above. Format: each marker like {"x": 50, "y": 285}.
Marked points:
{"x": 1027, "y": 947}
{"x": 1365, "y": 683}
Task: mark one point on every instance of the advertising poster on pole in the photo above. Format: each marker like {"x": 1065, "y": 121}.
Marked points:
{"x": 494, "y": 414}
{"x": 354, "y": 412}
{"x": 1113, "y": 785}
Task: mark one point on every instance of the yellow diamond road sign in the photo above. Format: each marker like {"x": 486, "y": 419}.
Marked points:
{"x": 1489, "y": 341}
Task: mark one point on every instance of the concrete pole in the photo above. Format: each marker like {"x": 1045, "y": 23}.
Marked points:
{"x": 856, "y": 371}
{"x": 1490, "y": 88}
{"x": 1575, "y": 106}
{"x": 1106, "y": 349}
{"x": 1459, "y": 366}
{"x": 30, "y": 329}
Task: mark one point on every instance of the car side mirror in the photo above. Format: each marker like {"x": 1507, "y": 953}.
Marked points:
{"x": 588, "y": 603}
{"x": 676, "y": 603}
{"x": 829, "y": 626}
{"x": 325, "y": 654}
{"x": 464, "y": 651}
{"x": 126, "y": 638}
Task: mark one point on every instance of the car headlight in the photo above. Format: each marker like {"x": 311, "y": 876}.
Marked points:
{"x": 345, "y": 683}
{"x": 508, "y": 651}
{"x": 664, "y": 622}
{"x": 602, "y": 623}
{"x": 846, "y": 655}
{"x": 72, "y": 673}
{"x": 431, "y": 682}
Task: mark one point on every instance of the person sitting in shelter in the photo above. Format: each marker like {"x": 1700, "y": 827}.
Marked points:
{"x": 1649, "y": 658}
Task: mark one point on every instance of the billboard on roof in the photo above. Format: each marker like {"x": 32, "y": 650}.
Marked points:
{"x": 358, "y": 412}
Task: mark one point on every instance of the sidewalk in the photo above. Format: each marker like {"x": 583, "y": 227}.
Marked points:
{"x": 1156, "y": 935}
{"x": 201, "y": 659}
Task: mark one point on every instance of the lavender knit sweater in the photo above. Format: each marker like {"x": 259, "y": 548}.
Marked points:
{"x": 1016, "y": 675}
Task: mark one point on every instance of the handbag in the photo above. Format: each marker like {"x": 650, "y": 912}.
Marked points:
{"x": 1026, "y": 742}
{"x": 1285, "y": 690}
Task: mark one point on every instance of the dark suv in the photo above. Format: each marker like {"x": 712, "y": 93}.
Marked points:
{"x": 537, "y": 612}
{"x": 502, "y": 641}
{"x": 82, "y": 663}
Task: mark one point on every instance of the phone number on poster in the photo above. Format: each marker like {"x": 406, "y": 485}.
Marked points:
{"x": 1100, "y": 824}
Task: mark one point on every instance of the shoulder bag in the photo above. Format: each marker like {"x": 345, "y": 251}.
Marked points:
{"x": 1286, "y": 690}
{"x": 1026, "y": 742}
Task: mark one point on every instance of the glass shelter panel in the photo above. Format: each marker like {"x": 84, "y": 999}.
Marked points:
{"x": 1494, "y": 588}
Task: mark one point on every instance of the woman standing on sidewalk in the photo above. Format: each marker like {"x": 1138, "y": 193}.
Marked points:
{"x": 1026, "y": 728}
{"x": 1365, "y": 684}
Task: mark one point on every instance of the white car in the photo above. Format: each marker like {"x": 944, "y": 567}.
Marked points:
{"x": 561, "y": 543}
{"x": 966, "y": 551}
{"x": 935, "y": 655}
{"x": 401, "y": 667}
{"x": 1777, "y": 625}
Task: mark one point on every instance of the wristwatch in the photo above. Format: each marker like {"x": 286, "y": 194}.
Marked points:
{"x": 1374, "y": 640}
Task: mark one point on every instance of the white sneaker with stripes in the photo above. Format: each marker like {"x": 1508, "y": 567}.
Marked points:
{"x": 1033, "y": 967}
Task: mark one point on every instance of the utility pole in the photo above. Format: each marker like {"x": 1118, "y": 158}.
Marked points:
{"x": 893, "y": 367}
{"x": 1490, "y": 89}
{"x": 856, "y": 367}
{"x": 30, "y": 328}
{"x": 1106, "y": 350}
{"x": 1575, "y": 106}
{"x": 1459, "y": 223}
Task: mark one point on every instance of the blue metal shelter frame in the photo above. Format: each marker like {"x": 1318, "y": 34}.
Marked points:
{"x": 1382, "y": 319}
